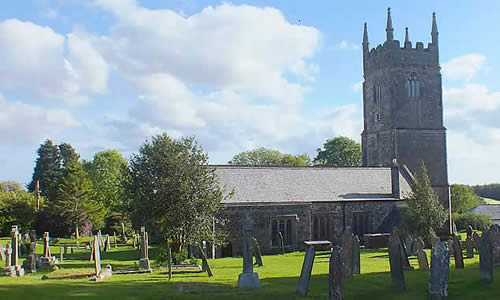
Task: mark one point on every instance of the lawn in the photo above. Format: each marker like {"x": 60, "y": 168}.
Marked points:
{"x": 278, "y": 277}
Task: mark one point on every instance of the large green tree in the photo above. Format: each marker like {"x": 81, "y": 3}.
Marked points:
{"x": 269, "y": 157}
{"x": 76, "y": 200}
{"x": 463, "y": 198}
{"x": 107, "y": 171}
{"x": 11, "y": 186}
{"x": 173, "y": 190}
{"x": 16, "y": 208}
{"x": 424, "y": 214}
{"x": 339, "y": 152}
{"x": 47, "y": 169}
{"x": 68, "y": 154}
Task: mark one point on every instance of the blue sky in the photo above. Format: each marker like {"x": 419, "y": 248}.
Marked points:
{"x": 107, "y": 74}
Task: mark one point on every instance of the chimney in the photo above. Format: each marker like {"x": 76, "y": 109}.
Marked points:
{"x": 396, "y": 191}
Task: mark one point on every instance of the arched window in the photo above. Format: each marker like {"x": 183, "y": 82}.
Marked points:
{"x": 316, "y": 229}
{"x": 413, "y": 87}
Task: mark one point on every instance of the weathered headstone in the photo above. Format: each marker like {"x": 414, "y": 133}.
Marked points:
{"x": 476, "y": 240}
{"x": 335, "y": 274}
{"x": 47, "y": 259}
{"x": 347, "y": 243}
{"x": 396, "y": 261}
{"x": 486, "y": 257}
{"x": 469, "y": 248}
{"x": 97, "y": 255}
{"x": 258, "y": 254}
{"x": 46, "y": 247}
{"x": 2, "y": 253}
{"x": 12, "y": 267}
{"x": 440, "y": 265}
{"x": 114, "y": 239}
{"x": 248, "y": 279}
{"x": 423, "y": 263}
{"x": 124, "y": 236}
{"x": 404, "y": 253}
{"x": 105, "y": 273}
{"x": 61, "y": 254}
{"x": 107, "y": 244}
{"x": 282, "y": 242}
{"x": 305, "y": 274}
{"x": 144, "y": 260}
{"x": 356, "y": 256}
{"x": 469, "y": 231}
{"x": 204, "y": 261}
{"x": 91, "y": 252}
{"x": 100, "y": 239}
{"x": 457, "y": 253}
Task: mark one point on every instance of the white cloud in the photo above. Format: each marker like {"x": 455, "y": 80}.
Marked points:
{"x": 22, "y": 123}
{"x": 464, "y": 67}
{"x": 346, "y": 45}
{"x": 358, "y": 86}
{"x": 34, "y": 61}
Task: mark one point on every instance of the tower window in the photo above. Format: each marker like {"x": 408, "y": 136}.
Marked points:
{"x": 413, "y": 87}
{"x": 377, "y": 95}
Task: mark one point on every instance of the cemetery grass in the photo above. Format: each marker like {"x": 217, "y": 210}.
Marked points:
{"x": 278, "y": 278}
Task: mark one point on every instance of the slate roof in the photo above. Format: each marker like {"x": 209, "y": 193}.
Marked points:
{"x": 306, "y": 184}
{"x": 491, "y": 210}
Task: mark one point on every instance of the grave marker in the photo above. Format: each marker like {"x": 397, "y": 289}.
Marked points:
{"x": 335, "y": 274}
{"x": 258, "y": 254}
{"x": 440, "y": 264}
{"x": 305, "y": 273}
{"x": 396, "y": 261}
{"x": 457, "y": 253}
{"x": 356, "y": 257}
{"x": 144, "y": 260}
{"x": 248, "y": 279}
{"x": 486, "y": 257}
{"x": 347, "y": 244}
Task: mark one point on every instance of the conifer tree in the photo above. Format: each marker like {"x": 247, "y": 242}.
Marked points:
{"x": 47, "y": 169}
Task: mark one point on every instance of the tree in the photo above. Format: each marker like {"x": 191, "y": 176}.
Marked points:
{"x": 68, "y": 154}
{"x": 463, "y": 198}
{"x": 11, "y": 186}
{"x": 424, "y": 214}
{"x": 76, "y": 199}
{"x": 269, "y": 157}
{"x": 107, "y": 171}
{"x": 47, "y": 169}
{"x": 339, "y": 152}
{"x": 16, "y": 208}
{"x": 488, "y": 190}
{"x": 173, "y": 191}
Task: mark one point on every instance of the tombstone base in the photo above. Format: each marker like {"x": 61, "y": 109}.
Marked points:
{"x": 13, "y": 271}
{"x": 49, "y": 261}
{"x": 249, "y": 280}
{"x": 144, "y": 265}
{"x": 437, "y": 297}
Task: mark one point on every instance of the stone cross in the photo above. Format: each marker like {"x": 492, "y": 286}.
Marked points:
{"x": 257, "y": 252}
{"x": 144, "y": 260}
{"x": 335, "y": 274}
{"x": 423, "y": 263}
{"x": 356, "y": 257}
{"x": 347, "y": 243}
{"x": 248, "y": 279}
{"x": 486, "y": 257}
{"x": 15, "y": 246}
{"x": 457, "y": 253}
{"x": 97, "y": 255}
{"x": 305, "y": 274}
{"x": 440, "y": 265}
{"x": 46, "y": 247}
{"x": 396, "y": 261}
{"x": 8, "y": 252}
{"x": 469, "y": 247}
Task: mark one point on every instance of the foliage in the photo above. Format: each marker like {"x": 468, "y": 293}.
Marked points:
{"x": 424, "y": 214}
{"x": 269, "y": 157}
{"x": 76, "y": 199}
{"x": 488, "y": 190}
{"x": 339, "y": 152}
{"x": 10, "y": 186}
{"x": 113, "y": 223}
{"x": 16, "y": 208}
{"x": 478, "y": 221}
{"x": 47, "y": 169}
{"x": 463, "y": 198}
{"x": 68, "y": 155}
{"x": 107, "y": 171}
{"x": 173, "y": 191}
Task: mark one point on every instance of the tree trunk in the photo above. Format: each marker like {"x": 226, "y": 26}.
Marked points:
{"x": 77, "y": 234}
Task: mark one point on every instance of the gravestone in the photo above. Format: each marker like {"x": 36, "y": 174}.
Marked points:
{"x": 2, "y": 253}
{"x": 46, "y": 247}
{"x": 61, "y": 254}
{"x": 282, "y": 242}
{"x": 469, "y": 231}
{"x": 105, "y": 273}
{"x": 8, "y": 270}
{"x": 396, "y": 261}
{"x": 486, "y": 257}
{"x": 495, "y": 242}
{"x": 15, "y": 240}
{"x": 469, "y": 247}
{"x": 476, "y": 240}
{"x": 440, "y": 265}
{"x": 114, "y": 239}
{"x": 100, "y": 239}
{"x": 107, "y": 244}
{"x": 356, "y": 257}
{"x": 205, "y": 265}
{"x": 347, "y": 243}
{"x": 248, "y": 279}
{"x": 305, "y": 273}
{"x": 423, "y": 263}
{"x": 457, "y": 253}
{"x": 47, "y": 259}
{"x": 404, "y": 253}
{"x": 336, "y": 274}
{"x": 434, "y": 240}
{"x": 97, "y": 255}
{"x": 124, "y": 236}
{"x": 144, "y": 261}
{"x": 91, "y": 252}
{"x": 257, "y": 252}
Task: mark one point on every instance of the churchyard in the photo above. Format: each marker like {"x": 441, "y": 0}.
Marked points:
{"x": 278, "y": 277}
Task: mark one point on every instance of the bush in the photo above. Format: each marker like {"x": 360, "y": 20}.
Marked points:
{"x": 177, "y": 258}
{"x": 478, "y": 221}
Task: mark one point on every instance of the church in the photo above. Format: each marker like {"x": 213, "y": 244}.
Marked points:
{"x": 403, "y": 126}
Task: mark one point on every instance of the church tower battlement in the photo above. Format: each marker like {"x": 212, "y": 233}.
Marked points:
{"x": 403, "y": 107}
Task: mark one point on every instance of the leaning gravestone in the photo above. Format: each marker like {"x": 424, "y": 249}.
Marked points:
{"x": 248, "y": 279}
{"x": 257, "y": 252}
{"x": 469, "y": 248}
{"x": 356, "y": 257}
{"x": 396, "y": 261}
{"x": 486, "y": 257}
{"x": 423, "y": 263}
{"x": 469, "y": 231}
{"x": 335, "y": 274}
{"x": 347, "y": 243}
{"x": 305, "y": 274}
{"x": 404, "y": 253}
{"x": 107, "y": 244}
{"x": 97, "y": 255}
{"x": 440, "y": 265}
{"x": 144, "y": 261}
{"x": 457, "y": 253}
{"x": 206, "y": 266}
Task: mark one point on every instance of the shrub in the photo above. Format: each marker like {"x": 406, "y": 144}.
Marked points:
{"x": 177, "y": 258}
{"x": 478, "y": 221}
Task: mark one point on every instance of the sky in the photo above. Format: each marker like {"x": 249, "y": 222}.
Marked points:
{"x": 286, "y": 75}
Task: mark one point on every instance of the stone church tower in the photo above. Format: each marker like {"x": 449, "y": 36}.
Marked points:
{"x": 403, "y": 106}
